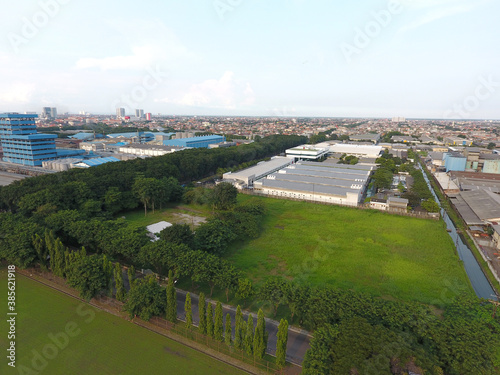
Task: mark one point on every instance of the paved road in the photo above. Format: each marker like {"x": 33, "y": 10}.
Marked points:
{"x": 298, "y": 341}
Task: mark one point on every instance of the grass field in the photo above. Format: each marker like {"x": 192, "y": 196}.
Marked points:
{"x": 101, "y": 344}
{"x": 182, "y": 214}
{"x": 364, "y": 250}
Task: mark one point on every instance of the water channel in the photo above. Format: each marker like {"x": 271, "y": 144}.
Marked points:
{"x": 479, "y": 282}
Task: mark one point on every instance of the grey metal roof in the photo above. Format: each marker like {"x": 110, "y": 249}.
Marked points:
{"x": 307, "y": 188}
{"x": 485, "y": 204}
{"x": 358, "y": 167}
{"x": 465, "y": 211}
{"x": 316, "y": 180}
{"x": 337, "y": 174}
{"x": 260, "y": 169}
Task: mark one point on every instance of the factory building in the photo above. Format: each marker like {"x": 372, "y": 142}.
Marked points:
{"x": 245, "y": 178}
{"x": 365, "y": 151}
{"x": 196, "y": 142}
{"x": 22, "y": 144}
{"x": 319, "y": 182}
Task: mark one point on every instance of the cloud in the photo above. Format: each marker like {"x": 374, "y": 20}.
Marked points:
{"x": 226, "y": 92}
{"x": 439, "y": 9}
{"x": 17, "y": 93}
{"x": 149, "y": 43}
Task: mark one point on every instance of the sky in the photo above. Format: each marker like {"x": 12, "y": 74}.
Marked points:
{"x": 328, "y": 58}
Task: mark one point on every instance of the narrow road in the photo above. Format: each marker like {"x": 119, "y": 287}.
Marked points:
{"x": 298, "y": 341}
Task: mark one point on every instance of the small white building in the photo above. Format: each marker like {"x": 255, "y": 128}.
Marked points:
{"x": 153, "y": 229}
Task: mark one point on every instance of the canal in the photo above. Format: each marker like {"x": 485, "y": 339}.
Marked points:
{"x": 479, "y": 282}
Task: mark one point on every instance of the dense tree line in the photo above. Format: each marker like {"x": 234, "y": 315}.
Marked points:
{"x": 357, "y": 333}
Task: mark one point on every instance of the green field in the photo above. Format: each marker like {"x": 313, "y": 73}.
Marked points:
{"x": 364, "y": 250}
{"x": 101, "y": 344}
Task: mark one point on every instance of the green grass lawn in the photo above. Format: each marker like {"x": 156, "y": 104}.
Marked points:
{"x": 364, "y": 250}
{"x": 172, "y": 214}
{"x": 102, "y": 343}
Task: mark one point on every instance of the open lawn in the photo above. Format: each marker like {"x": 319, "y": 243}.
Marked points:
{"x": 364, "y": 250}
{"x": 183, "y": 214}
{"x": 100, "y": 343}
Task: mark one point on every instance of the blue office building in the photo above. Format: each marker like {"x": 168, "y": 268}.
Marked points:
{"x": 196, "y": 142}
{"x": 22, "y": 144}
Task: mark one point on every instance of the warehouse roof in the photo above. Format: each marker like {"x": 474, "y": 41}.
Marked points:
{"x": 485, "y": 204}
{"x": 260, "y": 169}
{"x": 307, "y": 188}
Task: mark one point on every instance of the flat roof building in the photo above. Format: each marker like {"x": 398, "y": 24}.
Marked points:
{"x": 245, "y": 178}
{"x": 306, "y": 152}
{"x": 22, "y": 144}
{"x": 356, "y": 150}
{"x": 196, "y": 142}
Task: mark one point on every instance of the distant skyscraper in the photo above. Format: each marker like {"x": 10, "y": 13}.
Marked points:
{"x": 139, "y": 113}
{"x": 49, "y": 112}
{"x": 45, "y": 112}
{"x": 22, "y": 144}
{"x": 120, "y": 112}
{"x": 148, "y": 116}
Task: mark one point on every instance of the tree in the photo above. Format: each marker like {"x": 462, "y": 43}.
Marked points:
{"x": 88, "y": 276}
{"x": 210, "y": 320}
{"x": 282, "y": 343}
{"x": 239, "y": 329}
{"x": 214, "y": 236}
{"x": 491, "y": 146}
{"x": 41, "y": 250}
{"x": 131, "y": 276}
{"x": 224, "y": 196}
{"x": 228, "y": 330}
{"x": 249, "y": 335}
{"x": 120, "y": 287}
{"x": 202, "y": 325}
{"x": 146, "y": 299}
{"x": 178, "y": 234}
{"x": 260, "y": 336}
{"x": 430, "y": 205}
{"x": 189, "y": 312}
{"x": 273, "y": 291}
{"x": 171, "y": 299}
{"x": 245, "y": 289}
{"x": 218, "y": 324}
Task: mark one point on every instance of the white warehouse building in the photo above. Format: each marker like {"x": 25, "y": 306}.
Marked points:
{"x": 245, "y": 178}
{"x": 321, "y": 182}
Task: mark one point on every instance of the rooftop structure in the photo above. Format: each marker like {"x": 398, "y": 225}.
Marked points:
{"x": 246, "y": 177}
{"x": 306, "y": 152}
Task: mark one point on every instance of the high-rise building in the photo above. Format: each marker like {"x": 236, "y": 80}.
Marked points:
{"x": 49, "y": 112}
{"x": 139, "y": 113}
{"x": 120, "y": 112}
{"x": 21, "y": 143}
{"x": 148, "y": 116}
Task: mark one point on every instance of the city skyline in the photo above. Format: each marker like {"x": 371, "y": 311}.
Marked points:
{"x": 417, "y": 59}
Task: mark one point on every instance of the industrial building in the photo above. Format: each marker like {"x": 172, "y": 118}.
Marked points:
{"x": 454, "y": 161}
{"x": 148, "y": 150}
{"x": 366, "y": 151}
{"x": 374, "y": 138}
{"x": 245, "y": 178}
{"x": 307, "y": 152}
{"x": 196, "y": 142}
{"x": 319, "y": 182}
{"x": 22, "y": 144}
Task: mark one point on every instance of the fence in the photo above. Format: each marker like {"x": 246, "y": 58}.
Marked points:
{"x": 420, "y": 215}
{"x": 157, "y": 324}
